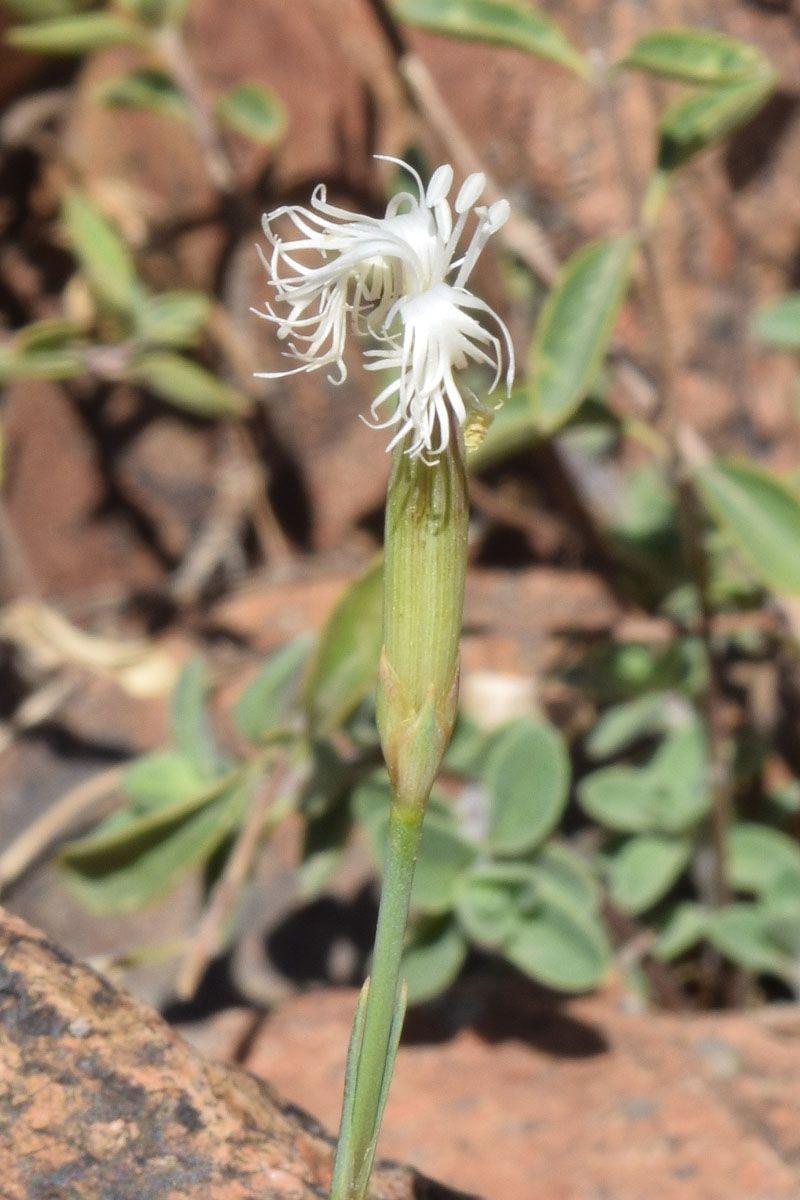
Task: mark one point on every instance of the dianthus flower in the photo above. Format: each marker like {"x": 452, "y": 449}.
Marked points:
{"x": 397, "y": 279}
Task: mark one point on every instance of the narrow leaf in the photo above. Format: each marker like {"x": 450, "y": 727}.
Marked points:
{"x": 159, "y": 780}
{"x": 699, "y": 121}
{"x": 145, "y": 868}
{"x": 189, "y": 719}
{"x": 77, "y": 34}
{"x": 501, "y": 22}
{"x": 694, "y": 56}
{"x": 345, "y": 664}
{"x": 173, "y": 318}
{"x": 267, "y": 700}
{"x": 101, "y": 253}
{"x": 253, "y": 110}
{"x": 761, "y": 514}
{"x": 185, "y": 384}
{"x": 575, "y": 328}
{"x": 144, "y": 87}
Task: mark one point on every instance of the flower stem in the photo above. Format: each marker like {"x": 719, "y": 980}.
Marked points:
{"x": 378, "y": 1022}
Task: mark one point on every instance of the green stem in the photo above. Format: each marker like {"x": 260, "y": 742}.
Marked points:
{"x": 373, "y": 1059}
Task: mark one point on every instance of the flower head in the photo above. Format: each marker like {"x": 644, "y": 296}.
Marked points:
{"x": 397, "y": 279}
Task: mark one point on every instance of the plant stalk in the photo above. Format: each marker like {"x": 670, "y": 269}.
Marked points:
{"x": 376, "y": 1048}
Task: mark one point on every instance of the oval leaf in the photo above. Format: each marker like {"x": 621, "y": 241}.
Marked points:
{"x": 493, "y": 899}
{"x": 619, "y": 798}
{"x": 345, "y": 664}
{"x": 694, "y": 56}
{"x": 575, "y": 328}
{"x": 501, "y": 22}
{"x": 77, "y": 34}
{"x": 779, "y": 324}
{"x": 740, "y": 932}
{"x": 561, "y": 950}
{"x": 761, "y": 514}
{"x": 757, "y": 856}
{"x": 253, "y": 110}
{"x": 526, "y": 777}
{"x": 683, "y": 929}
{"x": 433, "y": 958}
{"x": 186, "y": 385}
{"x": 644, "y": 870}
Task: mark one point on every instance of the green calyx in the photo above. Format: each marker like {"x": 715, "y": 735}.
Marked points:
{"x": 425, "y": 567}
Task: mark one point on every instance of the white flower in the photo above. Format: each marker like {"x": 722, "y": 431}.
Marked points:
{"x": 397, "y": 279}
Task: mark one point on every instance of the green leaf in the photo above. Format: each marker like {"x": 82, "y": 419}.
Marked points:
{"x": 645, "y": 868}
{"x": 126, "y": 871}
{"x": 493, "y": 898}
{"x": 189, "y": 719}
{"x": 683, "y": 929}
{"x": 101, "y": 252}
{"x": 758, "y": 855}
{"x": 467, "y": 749}
{"x": 564, "y": 879}
{"x": 739, "y": 931}
{"x": 501, "y": 22}
{"x": 186, "y": 385}
{"x": 40, "y": 10}
{"x": 78, "y": 34}
{"x": 173, "y": 318}
{"x": 679, "y": 777}
{"x": 527, "y": 777}
{"x": 57, "y": 362}
{"x": 621, "y": 725}
{"x": 253, "y": 110}
{"x": 575, "y": 327}
{"x": 778, "y": 325}
{"x": 267, "y": 700}
{"x": 781, "y": 908}
{"x": 560, "y": 949}
{"x": 443, "y": 858}
{"x": 144, "y": 87}
{"x": 669, "y": 795}
{"x": 162, "y": 779}
{"x": 761, "y": 514}
{"x": 49, "y": 334}
{"x": 345, "y": 665}
{"x": 618, "y": 798}
{"x": 694, "y": 123}
{"x": 156, "y": 12}
{"x": 694, "y": 56}
{"x": 433, "y": 957}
